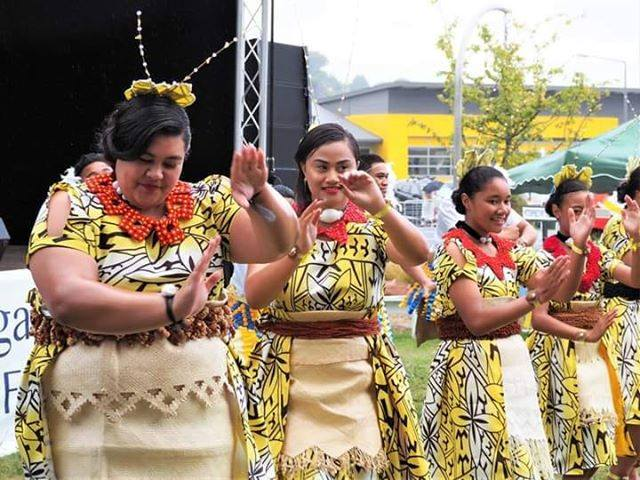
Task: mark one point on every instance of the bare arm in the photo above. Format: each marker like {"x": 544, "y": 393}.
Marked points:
{"x": 265, "y": 281}
{"x": 83, "y": 303}
{"x": 80, "y": 301}
{"x": 580, "y": 230}
{"x": 481, "y": 317}
{"x": 253, "y": 237}
{"x": 406, "y": 245}
{"x": 631, "y": 222}
{"x": 629, "y": 275}
{"x": 418, "y": 274}
{"x": 405, "y": 241}
{"x": 565, "y": 292}
{"x": 543, "y": 322}
{"x": 528, "y": 234}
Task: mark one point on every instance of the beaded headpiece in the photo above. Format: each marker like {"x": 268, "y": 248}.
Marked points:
{"x": 180, "y": 92}
{"x": 632, "y": 164}
{"x": 474, "y": 158}
{"x": 571, "y": 172}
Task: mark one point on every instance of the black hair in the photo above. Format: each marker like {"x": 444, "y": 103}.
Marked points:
{"x": 314, "y": 139}
{"x": 473, "y": 182}
{"x": 629, "y": 186}
{"x": 285, "y": 191}
{"x": 88, "y": 159}
{"x": 129, "y": 130}
{"x": 368, "y": 160}
{"x": 566, "y": 187}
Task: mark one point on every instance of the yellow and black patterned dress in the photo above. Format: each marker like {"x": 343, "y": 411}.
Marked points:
{"x": 336, "y": 407}
{"x": 580, "y": 438}
{"x": 466, "y": 421}
{"x": 165, "y": 384}
{"x": 622, "y": 339}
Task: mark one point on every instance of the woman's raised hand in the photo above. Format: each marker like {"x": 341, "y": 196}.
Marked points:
{"x": 631, "y": 219}
{"x": 580, "y": 228}
{"x": 249, "y": 174}
{"x": 193, "y": 295}
{"x": 551, "y": 278}
{"x": 601, "y": 326}
{"x": 308, "y": 222}
{"x": 361, "y": 189}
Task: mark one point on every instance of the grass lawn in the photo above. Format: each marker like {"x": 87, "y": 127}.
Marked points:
{"x": 10, "y": 468}
{"x": 416, "y": 361}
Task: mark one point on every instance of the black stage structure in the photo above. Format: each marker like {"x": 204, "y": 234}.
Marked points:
{"x": 63, "y": 66}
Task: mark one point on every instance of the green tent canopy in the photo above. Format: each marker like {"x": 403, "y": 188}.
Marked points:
{"x": 607, "y": 155}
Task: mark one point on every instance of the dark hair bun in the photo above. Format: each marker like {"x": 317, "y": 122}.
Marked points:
{"x": 472, "y": 182}
{"x": 629, "y": 186}
{"x": 551, "y": 201}
{"x": 456, "y": 198}
{"x": 622, "y": 190}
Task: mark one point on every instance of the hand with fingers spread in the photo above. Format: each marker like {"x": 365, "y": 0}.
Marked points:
{"x": 580, "y": 228}
{"x": 601, "y": 326}
{"x": 361, "y": 189}
{"x": 249, "y": 174}
{"x": 193, "y": 295}
{"x": 551, "y": 278}
{"x": 308, "y": 222}
{"x": 631, "y": 219}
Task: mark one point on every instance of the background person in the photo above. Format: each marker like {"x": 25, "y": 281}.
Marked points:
{"x": 90, "y": 165}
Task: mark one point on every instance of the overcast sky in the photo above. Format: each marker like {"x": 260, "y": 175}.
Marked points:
{"x": 388, "y": 40}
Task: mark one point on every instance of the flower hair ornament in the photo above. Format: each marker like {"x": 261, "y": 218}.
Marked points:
{"x": 571, "y": 172}
{"x": 474, "y": 158}
{"x": 632, "y": 164}
{"x": 180, "y": 92}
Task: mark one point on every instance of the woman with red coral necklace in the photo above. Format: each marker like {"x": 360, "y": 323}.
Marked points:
{"x": 328, "y": 390}
{"x": 130, "y": 376}
{"x": 481, "y": 417}
{"x": 572, "y": 366}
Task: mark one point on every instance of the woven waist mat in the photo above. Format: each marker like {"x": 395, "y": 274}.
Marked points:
{"x": 453, "y": 328}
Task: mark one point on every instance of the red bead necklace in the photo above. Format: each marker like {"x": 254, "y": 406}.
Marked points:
{"x": 179, "y": 206}
{"x": 497, "y": 263}
{"x": 558, "y": 248}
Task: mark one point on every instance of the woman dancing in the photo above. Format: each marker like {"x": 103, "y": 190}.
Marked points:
{"x": 481, "y": 417}
{"x": 327, "y": 388}
{"x": 129, "y": 376}
{"x": 576, "y": 388}
{"x": 622, "y": 339}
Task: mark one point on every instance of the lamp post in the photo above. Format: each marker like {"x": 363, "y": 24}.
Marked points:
{"x": 625, "y": 100}
{"x": 458, "y": 86}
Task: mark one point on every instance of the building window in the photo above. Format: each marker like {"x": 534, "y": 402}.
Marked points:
{"x": 429, "y": 161}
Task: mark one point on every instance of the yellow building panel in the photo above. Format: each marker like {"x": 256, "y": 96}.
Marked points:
{"x": 399, "y": 131}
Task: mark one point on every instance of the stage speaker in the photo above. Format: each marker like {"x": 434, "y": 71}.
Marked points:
{"x": 288, "y": 109}
{"x": 4, "y": 238}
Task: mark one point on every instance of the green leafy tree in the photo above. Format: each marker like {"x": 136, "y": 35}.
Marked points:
{"x": 509, "y": 103}
{"x": 325, "y": 84}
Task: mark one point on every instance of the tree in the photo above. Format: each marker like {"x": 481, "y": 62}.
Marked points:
{"x": 512, "y": 99}
{"x": 325, "y": 84}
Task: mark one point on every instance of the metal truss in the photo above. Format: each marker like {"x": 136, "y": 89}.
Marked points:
{"x": 252, "y": 63}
